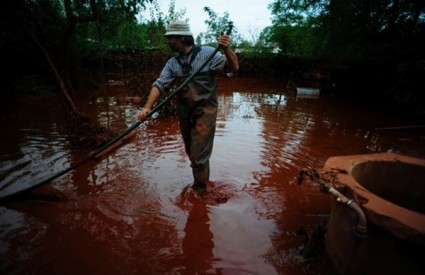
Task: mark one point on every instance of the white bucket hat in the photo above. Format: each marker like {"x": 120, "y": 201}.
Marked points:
{"x": 178, "y": 28}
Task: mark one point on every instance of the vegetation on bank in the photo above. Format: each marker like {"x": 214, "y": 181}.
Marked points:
{"x": 368, "y": 47}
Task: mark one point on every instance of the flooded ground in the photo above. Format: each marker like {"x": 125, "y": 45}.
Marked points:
{"x": 133, "y": 212}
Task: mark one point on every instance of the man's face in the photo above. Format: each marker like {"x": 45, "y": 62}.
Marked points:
{"x": 175, "y": 43}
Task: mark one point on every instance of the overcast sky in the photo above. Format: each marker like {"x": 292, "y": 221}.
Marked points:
{"x": 249, "y": 16}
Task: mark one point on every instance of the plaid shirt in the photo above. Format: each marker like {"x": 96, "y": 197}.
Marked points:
{"x": 173, "y": 70}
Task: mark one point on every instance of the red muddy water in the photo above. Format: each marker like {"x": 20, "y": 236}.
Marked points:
{"x": 133, "y": 211}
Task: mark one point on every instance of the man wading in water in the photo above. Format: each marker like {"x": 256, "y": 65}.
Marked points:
{"x": 197, "y": 103}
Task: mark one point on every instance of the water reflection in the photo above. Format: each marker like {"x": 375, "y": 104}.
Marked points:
{"x": 127, "y": 208}
{"x": 24, "y": 161}
{"x": 197, "y": 243}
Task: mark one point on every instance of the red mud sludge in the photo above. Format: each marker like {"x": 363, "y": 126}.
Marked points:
{"x": 133, "y": 211}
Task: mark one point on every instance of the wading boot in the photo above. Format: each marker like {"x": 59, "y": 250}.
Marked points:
{"x": 201, "y": 176}
{"x": 200, "y": 188}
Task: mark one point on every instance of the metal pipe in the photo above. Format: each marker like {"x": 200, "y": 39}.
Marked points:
{"x": 361, "y": 227}
{"x": 360, "y": 231}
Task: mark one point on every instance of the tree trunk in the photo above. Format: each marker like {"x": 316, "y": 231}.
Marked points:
{"x": 56, "y": 73}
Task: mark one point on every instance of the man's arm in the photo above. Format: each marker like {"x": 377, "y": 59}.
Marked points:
{"x": 153, "y": 97}
{"x": 232, "y": 60}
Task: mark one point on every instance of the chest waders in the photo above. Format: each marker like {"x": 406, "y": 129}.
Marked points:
{"x": 197, "y": 112}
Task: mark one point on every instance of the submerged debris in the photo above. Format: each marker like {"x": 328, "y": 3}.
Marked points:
{"x": 83, "y": 134}
{"x": 312, "y": 245}
{"x": 309, "y": 254}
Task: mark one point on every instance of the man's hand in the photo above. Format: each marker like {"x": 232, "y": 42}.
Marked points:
{"x": 224, "y": 41}
{"x": 143, "y": 113}
{"x": 232, "y": 59}
{"x": 152, "y": 98}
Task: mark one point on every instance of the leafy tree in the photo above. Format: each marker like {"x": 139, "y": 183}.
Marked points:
{"x": 351, "y": 30}
{"x": 364, "y": 29}
{"x": 295, "y": 25}
{"x": 54, "y": 30}
{"x": 215, "y": 26}
{"x": 382, "y": 41}
{"x": 158, "y": 22}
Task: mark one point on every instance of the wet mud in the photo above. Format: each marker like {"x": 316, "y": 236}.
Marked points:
{"x": 133, "y": 210}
